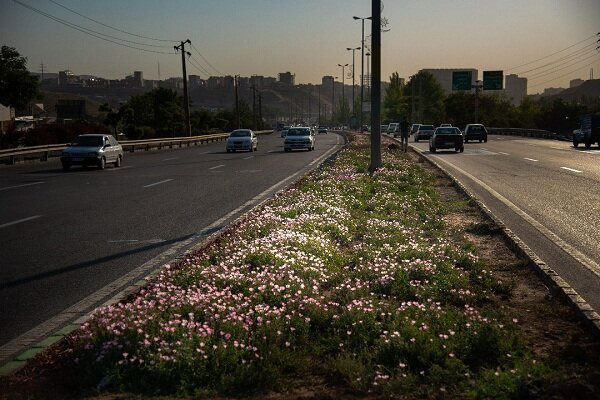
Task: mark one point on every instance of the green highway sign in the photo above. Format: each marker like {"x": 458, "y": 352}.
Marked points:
{"x": 492, "y": 80}
{"x": 461, "y": 80}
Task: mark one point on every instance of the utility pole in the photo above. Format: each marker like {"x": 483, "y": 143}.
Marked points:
{"x": 309, "y": 116}
{"x": 42, "y": 67}
{"x": 186, "y": 101}
{"x": 362, "y": 58}
{"x": 477, "y": 86}
{"x": 254, "y": 103}
{"x": 376, "y": 92}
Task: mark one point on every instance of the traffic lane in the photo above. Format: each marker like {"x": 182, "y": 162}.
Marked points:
{"x": 519, "y": 184}
{"x": 78, "y": 260}
{"x": 558, "y": 155}
{"x": 551, "y": 195}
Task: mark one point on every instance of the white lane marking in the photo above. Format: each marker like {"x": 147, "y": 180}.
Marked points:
{"x": 248, "y": 158}
{"x": 19, "y": 221}
{"x": 172, "y": 158}
{"x": 20, "y": 186}
{"x": 531, "y": 159}
{"x": 158, "y": 183}
{"x": 501, "y": 152}
{"x": 218, "y": 166}
{"x": 587, "y": 262}
{"x": 119, "y": 169}
{"x": 571, "y": 169}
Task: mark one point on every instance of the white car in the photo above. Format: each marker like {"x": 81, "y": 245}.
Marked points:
{"x": 92, "y": 149}
{"x": 299, "y": 137}
{"x": 242, "y": 139}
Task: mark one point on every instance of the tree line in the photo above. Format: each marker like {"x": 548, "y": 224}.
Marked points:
{"x": 423, "y": 100}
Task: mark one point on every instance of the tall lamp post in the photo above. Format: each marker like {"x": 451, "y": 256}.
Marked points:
{"x": 343, "y": 95}
{"x": 368, "y": 76}
{"x": 362, "y": 66}
{"x": 333, "y": 99}
{"x": 353, "y": 80}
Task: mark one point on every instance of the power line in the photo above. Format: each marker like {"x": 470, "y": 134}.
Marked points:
{"x": 92, "y": 32}
{"x": 589, "y": 48}
{"x": 562, "y": 76}
{"x": 550, "y": 55}
{"x": 205, "y": 60}
{"x": 197, "y": 65}
{"x": 541, "y": 74}
{"x": 111, "y": 27}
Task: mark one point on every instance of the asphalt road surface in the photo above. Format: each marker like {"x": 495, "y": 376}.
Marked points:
{"x": 69, "y": 241}
{"x": 545, "y": 191}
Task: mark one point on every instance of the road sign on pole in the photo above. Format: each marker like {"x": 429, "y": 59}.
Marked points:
{"x": 492, "y": 80}
{"x": 461, "y": 80}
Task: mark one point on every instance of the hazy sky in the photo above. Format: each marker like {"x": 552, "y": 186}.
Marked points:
{"x": 309, "y": 37}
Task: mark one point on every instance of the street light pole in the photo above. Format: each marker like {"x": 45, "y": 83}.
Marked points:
{"x": 353, "y": 80}
{"x": 343, "y": 110}
{"x": 362, "y": 66}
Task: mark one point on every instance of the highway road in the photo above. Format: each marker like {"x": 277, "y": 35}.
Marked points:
{"x": 546, "y": 192}
{"x": 72, "y": 240}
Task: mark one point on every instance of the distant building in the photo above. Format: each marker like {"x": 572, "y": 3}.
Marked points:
{"x": 516, "y": 88}
{"x": 269, "y": 81}
{"x": 195, "y": 81}
{"x": 96, "y": 83}
{"x": 327, "y": 82}
{"x": 67, "y": 78}
{"x": 444, "y": 76}
{"x": 575, "y": 82}
{"x": 214, "y": 82}
{"x": 173, "y": 83}
{"x": 287, "y": 78}
{"x": 552, "y": 91}
{"x": 228, "y": 82}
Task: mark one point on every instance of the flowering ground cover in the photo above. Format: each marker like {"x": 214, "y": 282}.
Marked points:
{"x": 358, "y": 284}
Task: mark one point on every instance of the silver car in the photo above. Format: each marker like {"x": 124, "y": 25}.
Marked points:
{"x": 299, "y": 137}
{"x": 242, "y": 139}
{"x": 92, "y": 149}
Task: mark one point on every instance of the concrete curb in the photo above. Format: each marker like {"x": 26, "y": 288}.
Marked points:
{"x": 551, "y": 279}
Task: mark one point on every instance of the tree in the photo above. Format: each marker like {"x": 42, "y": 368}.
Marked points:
{"x": 17, "y": 86}
{"x": 395, "y": 103}
{"x": 428, "y": 96}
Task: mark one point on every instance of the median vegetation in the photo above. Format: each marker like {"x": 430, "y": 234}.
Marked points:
{"x": 346, "y": 284}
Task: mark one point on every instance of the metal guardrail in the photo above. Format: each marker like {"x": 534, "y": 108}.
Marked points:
{"x": 45, "y": 152}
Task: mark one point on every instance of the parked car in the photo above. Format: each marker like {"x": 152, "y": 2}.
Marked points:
{"x": 92, "y": 149}
{"x": 446, "y": 137}
{"x": 424, "y": 132}
{"x": 475, "y": 132}
{"x": 299, "y": 138}
{"x": 322, "y": 129}
{"x": 241, "y": 139}
{"x": 393, "y": 127}
{"x": 445, "y": 125}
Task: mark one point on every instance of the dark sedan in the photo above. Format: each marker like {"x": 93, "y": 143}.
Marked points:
{"x": 446, "y": 138}
{"x": 424, "y": 132}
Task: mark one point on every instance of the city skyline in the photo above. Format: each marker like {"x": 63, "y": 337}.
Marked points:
{"x": 548, "y": 42}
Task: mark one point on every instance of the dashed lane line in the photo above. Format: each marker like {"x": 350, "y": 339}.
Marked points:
{"x": 217, "y": 166}
{"x": 572, "y": 170}
{"x": 531, "y": 159}
{"x": 158, "y": 183}
{"x": 19, "y": 221}
{"x": 23, "y": 185}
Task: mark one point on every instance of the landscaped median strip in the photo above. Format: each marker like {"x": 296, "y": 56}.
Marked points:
{"x": 348, "y": 277}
